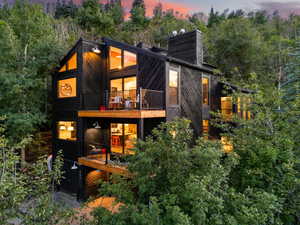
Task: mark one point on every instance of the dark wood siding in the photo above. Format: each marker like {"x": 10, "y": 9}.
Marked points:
{"x": 93, "y": 78}
{"x": 191, "y": 97}
{"x": 187, "y": 47}
{"x": 151, "y": 72}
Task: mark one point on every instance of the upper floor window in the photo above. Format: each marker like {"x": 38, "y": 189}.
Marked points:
{"x": 119, "y": 58}
{"x": 173, "y": 87}
{"x": 66, "y": 88}
{"x": 205, "y": 90}
{"x": 129, "y": 59}
{"x": 226, "y": 107}
{"x": 115, "y": 56}
{"x": 71, "y": 64}
{"x": 66, "y": 130}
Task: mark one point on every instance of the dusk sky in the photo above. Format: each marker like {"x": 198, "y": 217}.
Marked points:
{"x": 284, "y": 6}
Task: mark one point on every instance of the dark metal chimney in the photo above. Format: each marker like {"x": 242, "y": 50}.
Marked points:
{"x": 187, "y": 46}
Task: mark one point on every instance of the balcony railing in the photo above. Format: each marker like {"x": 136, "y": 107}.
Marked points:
{"x": 135, "y": 99}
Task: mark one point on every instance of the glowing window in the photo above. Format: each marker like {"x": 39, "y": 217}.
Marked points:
{"x": 63, "y": 68}
{"x": 72, "y": 63}
{"x": 205, "y": 90}
{"x": 227, "y": 145}
{"x": 173, "y": 87}
{"x": 115, "y": 57}
{"x": 123, "y": 138}
{"x": 205, "y": 128}
{"x": 66, "y": 130}
{"x": 243, "y": 108}
{"x": 226, "y": 107}
{"x": 129, "y": 59}
{"x": 66, "y": 88}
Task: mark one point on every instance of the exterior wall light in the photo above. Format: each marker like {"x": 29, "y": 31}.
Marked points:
{"x": 96, "y": 50}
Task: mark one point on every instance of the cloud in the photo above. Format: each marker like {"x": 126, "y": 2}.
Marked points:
{"x": 284, "y": 8}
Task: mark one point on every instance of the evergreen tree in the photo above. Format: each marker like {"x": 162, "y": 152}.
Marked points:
{"x": 158, "y": 11}
{"x": 116, "y": 10}
{"x": 138, "y": 13}
{"x": 291, "y": 86}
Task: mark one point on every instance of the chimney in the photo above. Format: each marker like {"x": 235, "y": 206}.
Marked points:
{"x": 187, "y": 46}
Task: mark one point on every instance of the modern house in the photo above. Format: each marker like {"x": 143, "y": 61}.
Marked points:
{"x": 109, "y": 94}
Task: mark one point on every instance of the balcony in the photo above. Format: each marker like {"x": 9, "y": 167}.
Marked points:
{"x": 141, "y": 103}
{"x": 141, "y": 99}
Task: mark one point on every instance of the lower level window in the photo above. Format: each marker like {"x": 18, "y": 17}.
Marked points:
{"x": 123, "y": 137}
{"x": 66, "y": 130}
{"x": 226, "y": 108}
{"x": 205, "y": 128}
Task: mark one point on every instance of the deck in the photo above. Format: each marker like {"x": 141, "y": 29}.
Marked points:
{"x": 100, "y": 165}
{"x": 134, "y": 114}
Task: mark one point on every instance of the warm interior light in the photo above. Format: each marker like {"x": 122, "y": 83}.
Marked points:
{"x": 118, "y": 56}
{"x": 96, "y": 50}
{"x": 62, "y": 128}
{"x": 70, "y": 128}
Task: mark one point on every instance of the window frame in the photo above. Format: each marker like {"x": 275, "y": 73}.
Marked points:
{"x": 178, "y": 70}
{"x": 209, "y": 87}
{"x": 122, "y": 59}
{"x": 57, "y": 87}
{"x": 57, "y": 130}
{"x": 66, "y": 64}
{"x": 123, "y": 136}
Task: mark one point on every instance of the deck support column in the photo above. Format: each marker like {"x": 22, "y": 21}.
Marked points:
{"x": 141, "y": 129}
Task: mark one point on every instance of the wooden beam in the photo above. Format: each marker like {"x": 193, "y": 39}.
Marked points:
{"x": 96, "y": 164}
{"x": 135, "y": 114}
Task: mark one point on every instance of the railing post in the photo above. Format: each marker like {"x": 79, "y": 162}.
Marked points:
{"x": 140, "y": 98}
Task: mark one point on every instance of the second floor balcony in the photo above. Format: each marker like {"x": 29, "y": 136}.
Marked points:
{"x": 135, "y": 103}
{"x": 135, "y": 99}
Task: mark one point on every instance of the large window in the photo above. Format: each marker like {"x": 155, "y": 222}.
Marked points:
{"x": 119, "y": 58}
{"x": 129, "y": 59}
{"x": 205, "y": 90}
{"x": 123, "y": 93}
{"x": 66, "y": 88}
{"x": 226, "y": 107}
{"x": 71, "y": 64}
{"x": 115, "y": 56}
{"x": 66, "y": 130}
{"x": 173, "y": 87}
{"x": 123, "y": 138}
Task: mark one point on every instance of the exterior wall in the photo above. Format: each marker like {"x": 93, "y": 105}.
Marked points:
{"x": 191, "y": 97}
{"x": 93, "y": 78}
{"x": 151, "y": 72}
{"x": 65, "y": 109}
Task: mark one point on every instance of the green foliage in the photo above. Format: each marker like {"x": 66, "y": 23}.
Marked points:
{"x": 291, "y": 85}
{"x": 176, "y": 183}
{"x": 268, "y": 150}
{"x": 27, "y": 193}
{"x": 237, "y": 48}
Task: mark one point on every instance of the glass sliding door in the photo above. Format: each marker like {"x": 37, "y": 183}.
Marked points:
{"x": 123, "y": 137}
{"x": 123, "y": 93}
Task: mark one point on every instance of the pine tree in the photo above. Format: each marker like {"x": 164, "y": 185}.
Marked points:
{"x": 114, "y": 7}
{"x": 138, "y": 13}
{"x": 291, "y": 86}
{"x": 158, "y": 11}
